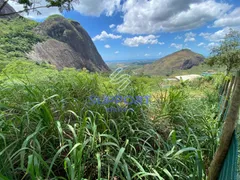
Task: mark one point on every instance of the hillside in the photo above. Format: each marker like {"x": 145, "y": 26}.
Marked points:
{"x": 57, "y": 41}
{"x": 68, "y": 45}
{"x": 181, "y": 60}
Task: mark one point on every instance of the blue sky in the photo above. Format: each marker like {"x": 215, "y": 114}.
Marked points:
{"x": 151, "y": 29}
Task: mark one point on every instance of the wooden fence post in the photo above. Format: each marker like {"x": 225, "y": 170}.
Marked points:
{"x": 227, "y": 98}
{"x": 227, "y": 132}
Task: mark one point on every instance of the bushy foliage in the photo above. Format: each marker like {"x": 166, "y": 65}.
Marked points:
{"x": 227, "y": 54}
{"x": 16, "y": 39}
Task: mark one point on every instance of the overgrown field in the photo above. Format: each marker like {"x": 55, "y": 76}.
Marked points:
{"x": 50, "y": 130}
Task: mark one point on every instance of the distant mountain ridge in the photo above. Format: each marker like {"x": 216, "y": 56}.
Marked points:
{"x": 180, "y": 60}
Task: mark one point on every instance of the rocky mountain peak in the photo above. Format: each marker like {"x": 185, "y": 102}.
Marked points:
{"x": 7, "y": 9}
{"x": 180, "y": 60}
{"x": 68, "y": 45}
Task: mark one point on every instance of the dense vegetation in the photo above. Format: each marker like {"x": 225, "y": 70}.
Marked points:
{"x": 49, "y": 129}
{"x": 227, "y": 53}
{"x": 16, "y": 39}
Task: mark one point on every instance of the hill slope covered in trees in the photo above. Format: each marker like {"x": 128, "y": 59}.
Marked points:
{"x": 57, "y": 41}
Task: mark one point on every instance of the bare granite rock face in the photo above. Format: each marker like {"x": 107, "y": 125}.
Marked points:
{"x": 58, "y": 53}
{"x": 7, "y": 9}
{"x": 67, "y": 45}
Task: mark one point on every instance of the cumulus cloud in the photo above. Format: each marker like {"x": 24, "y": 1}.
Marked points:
{"x": 104, "y": 35}
{"x": 116, "y": 52}
{"x": 138, "y": 40}
{"x": 178, "y": 37}
{"x": 231, "y": 19}
{"x": 177, "y": 46}
{"x": 201, "y": 44}
{"x": 86, "y": 7}
{"x": 146, "y": 55}
{"x": 96, "y": 7}
{"x": 112, "y": 26}
{"x": 107, "y": 46}
{"x": 146, "y": 17}
{"x": 217, "y": 36}
{"x": 189, "y": 37}
{"x": 161, "y": 43}
{"x": 211, "y": 45}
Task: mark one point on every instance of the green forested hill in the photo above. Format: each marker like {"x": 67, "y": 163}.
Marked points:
{"x": 57, "y": 41}
{"x": 16, "y": 39}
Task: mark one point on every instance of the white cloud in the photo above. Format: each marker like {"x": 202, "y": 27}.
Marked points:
{"x": 206, "y": 35}
{"x": 138, "y": 40}
{"x": 177, "y": 46}
{"x": 185, "y": 46}
{"x": 218, "y": 35}
{"x": 86, "y": 7}
{"x": 104, "y": 35}
{"x": 146, "y": 17}
{"x": 96, "y": 7}
{"x": 189, "y": 37}
{"x": 231, "y": 19}
{"x": 160, "y": 53}
{"x": 178, "y": 37}
{"x": 161, "y": 43}
{"x": 107, "y": 46}
{"x": 116, "y": 52}
{"x": 146, "y": 55}
{"x": 112, "y": 26}
{"x": 201, "y": 44}
{"x": 211, "y": 45}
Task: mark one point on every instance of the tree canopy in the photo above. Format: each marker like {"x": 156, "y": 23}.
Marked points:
{"x": 29, "y": 5}
{"x": 227, "y": 54}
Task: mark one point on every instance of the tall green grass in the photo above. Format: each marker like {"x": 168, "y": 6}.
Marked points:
{"x": 49, "y": 130}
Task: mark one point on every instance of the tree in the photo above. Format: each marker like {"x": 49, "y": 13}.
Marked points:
{"x": 35, "y": 5}
{"x": 227, "y": 54}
